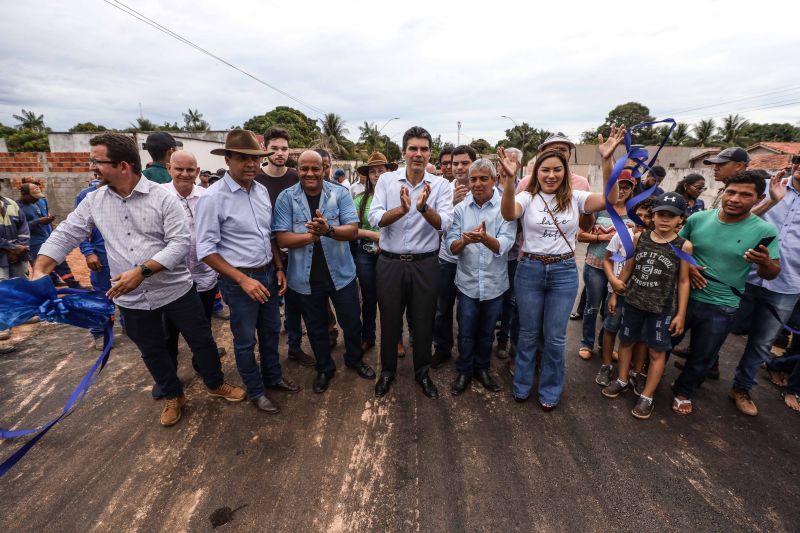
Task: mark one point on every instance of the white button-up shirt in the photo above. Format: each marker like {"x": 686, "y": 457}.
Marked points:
{"x": 411, "y": 234}
{"x": 202, "y": 274}
{"x": 147, "y": 224}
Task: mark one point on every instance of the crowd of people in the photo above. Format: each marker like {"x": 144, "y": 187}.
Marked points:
{"x": 169, "y": 242}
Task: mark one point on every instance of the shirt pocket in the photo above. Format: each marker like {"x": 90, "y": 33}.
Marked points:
{"x": 299, "y": 222}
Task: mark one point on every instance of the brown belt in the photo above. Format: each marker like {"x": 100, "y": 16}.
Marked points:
{"x": 549, "y": 259}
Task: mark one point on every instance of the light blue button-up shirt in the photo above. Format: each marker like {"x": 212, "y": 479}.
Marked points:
{"x": 411, "y": 234}
{"x": 235, "y": 223}
{"x": 481, "y": 273}
{"x": 785, "y": 216}
{"x": 292, "y": 214}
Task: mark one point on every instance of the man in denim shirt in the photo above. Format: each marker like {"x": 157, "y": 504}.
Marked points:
{"x": 315, "y": 219}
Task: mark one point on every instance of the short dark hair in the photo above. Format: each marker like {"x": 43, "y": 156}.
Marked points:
{"x": 647, "y": 203}
{"x": 416, "y": 132}
{"x": 323, "y": 153}
{"x": 447, "y": 149}
{"x": 658, "y": 171}
{"x": 756, "y": 177}
{"x": 465, "y": 149}
{"x": 275, "y": 133}
{"x": 120, "y": 148}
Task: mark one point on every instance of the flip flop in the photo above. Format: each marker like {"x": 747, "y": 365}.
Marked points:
{"x": 677, "y": 403}
{"x": 796, "y": 399}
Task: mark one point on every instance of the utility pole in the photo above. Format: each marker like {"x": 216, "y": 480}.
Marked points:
{"x": 459, "y": 134}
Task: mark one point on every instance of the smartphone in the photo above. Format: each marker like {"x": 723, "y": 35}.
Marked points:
{"x": 764, "y": 242}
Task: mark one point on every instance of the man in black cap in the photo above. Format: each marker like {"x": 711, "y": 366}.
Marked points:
{"x": 727, "y": 163}
{"x": 655, "y": 177}
{"x": 160, "y": 146}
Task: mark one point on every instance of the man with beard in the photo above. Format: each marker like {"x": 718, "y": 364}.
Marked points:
{"x": 411, "y": 207}
{"x": 277, "y": 177}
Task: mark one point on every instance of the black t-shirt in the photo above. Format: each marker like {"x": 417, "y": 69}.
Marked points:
{"x": 276, "y": 185}
{"x": 319, "y": 266}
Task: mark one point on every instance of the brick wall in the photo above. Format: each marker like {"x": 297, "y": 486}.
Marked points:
{"x": 63, "y": 176}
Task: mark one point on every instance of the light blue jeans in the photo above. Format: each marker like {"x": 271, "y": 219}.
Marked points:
{"x": 545, "y": 295}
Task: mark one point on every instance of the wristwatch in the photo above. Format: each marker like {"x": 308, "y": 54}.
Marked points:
{"x": 146, "y": 270}
{"x": 330, "y": 233}
{"x": 423, "y": 208}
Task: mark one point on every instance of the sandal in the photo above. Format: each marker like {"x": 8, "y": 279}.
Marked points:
{"x": 777, "y": 378}
{"x": 787, "y": 398}
{"x": 585, "y": 353}
{"x": 678, "y": 406}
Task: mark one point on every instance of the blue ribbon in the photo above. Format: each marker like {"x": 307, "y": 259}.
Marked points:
{"x": 20, "y": 300}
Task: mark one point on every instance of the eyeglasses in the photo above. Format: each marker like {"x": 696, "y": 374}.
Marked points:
{"x": 699, "y": 188}
{"x": 96, "y": 162}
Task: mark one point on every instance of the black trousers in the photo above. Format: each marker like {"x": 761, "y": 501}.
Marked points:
{"x": 146, "y": 329}
{"x": 412, "y": 285}
{"x": 207, "y": 299}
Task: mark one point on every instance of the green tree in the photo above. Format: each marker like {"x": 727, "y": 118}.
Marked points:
{"x": 5, "y": 131}
{"x": 27, "y": 140}
{"x": 392, "y": 151}
{"x": 731, "y": 132}
{"x": 302, "y": 129}
{"x": 680, "y": 135}
{"x": 332, "y": 136}
{"x": 193, "y": 121}
{"x": 629, "y": 114}
{"x": 166, "y": 126}
{"x": 526, "y": 138}
{"x": 87, "y": 127}
{"x": 705, "y": 133}
{"x": 371, "y": 137}
{"x": 143, "y": 124}
{"x": 28, "y": 120}
{"x": 785, "y": 132}
{"x": 481, "y": 146}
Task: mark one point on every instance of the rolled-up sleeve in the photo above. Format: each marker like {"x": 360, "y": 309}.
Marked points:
{"x": 454, "y": 233}
{"x": 282, "y": 217}
{"x": 444, "y": 205}
{"x": 506, "y": 235}
{"x": 176, "y": 235}
{"x": 69, "y": 233}
{"x": 206, "y": 225}
{"x": 379, "y": 200}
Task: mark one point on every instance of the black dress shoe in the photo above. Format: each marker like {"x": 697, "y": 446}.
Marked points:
{"x": 460, "y": 384}
{"x": 263, "y": 404}
{"x": 302, "y": 357}
{"x": 363, "y": 370}
{"x": 366, "y": 345}
{"x": 485, "y": 379}
{"x": 519, "y": 399}
{"x": 428, "y": 387}
{"x": 383, "y": 385}
{"x": 284, "y": 385}
{"x": 321, "y": 382}
{"x": 440, "y": 358}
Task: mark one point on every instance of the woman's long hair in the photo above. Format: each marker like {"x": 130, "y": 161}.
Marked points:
{"x": 564, "y": 191}
{"x": 369, "y": 190}
{"x": 689, "y": 180}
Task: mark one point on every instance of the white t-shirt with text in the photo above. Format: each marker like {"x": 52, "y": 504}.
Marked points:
{"x": 541, "y": 236}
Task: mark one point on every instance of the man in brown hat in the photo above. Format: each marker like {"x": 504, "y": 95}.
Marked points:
{"x": 233, "y": 221}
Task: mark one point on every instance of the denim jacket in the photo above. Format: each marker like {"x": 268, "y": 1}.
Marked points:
{"x": 292, "y": 213}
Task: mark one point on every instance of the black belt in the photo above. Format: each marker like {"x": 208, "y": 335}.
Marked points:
{"x": 408, "y": 257}
{"x": 255, "y": 270}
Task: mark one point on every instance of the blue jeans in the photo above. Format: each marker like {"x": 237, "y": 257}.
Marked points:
{"x": 446, "y": 299}
{"x": 596, "y": 289}
{"x": 314, "y": 308}
{"x": 366, "y": 263}
{"x": 476, "y": 321}
{"x": 248, "y": 319}
{"x": 509, "y": 319}
{"x": 545, "y": 294}
{"x": 764, "y": 329}
{"x": 101, "y": 281}
{"x": 710, "y": 325}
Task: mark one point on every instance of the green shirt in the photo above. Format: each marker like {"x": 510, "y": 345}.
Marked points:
{"x": 364, "y": 224}
{"x": 157, "y": 173}
{"x": 720, "y": 247}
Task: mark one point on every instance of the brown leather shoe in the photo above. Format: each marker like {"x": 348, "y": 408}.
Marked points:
{"x": 172, "y": 410}
{"x": 743, "y": 402}
{"x": 232, "y": 393}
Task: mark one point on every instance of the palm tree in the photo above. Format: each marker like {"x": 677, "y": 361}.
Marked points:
{"x": 732, "y": 130}
{"x": 332, "y": 136}
{"x": 370, "y": 136}
{"x": 143, "y": 124}
{"x": 193, "y": 121}
{"x": 28, "y": 120}
{"x": 680, "y": 135}
{"x": 704, "y": 133}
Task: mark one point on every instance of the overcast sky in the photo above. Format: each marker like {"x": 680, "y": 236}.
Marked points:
{"x": 560, "y": 67}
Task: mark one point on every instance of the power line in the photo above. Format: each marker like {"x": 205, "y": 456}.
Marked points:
{"x": 143, "y": 18}
{"x": 771, "y": 105}
{"x": 744, "y": 98}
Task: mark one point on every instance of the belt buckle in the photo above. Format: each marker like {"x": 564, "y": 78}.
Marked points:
{"x": 406, "y": 257}
{"x": 368, "y": 247}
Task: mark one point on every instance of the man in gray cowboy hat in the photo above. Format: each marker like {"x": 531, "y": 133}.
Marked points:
{"x": 233, "y": 221}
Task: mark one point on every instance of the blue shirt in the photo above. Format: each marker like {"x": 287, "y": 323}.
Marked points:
{"x": 95, "y": 243}
{"x": 481, "y": 273}
{"x": 292, "y": 213}
{"x": 699, "y": 205}
{"x": 33, "y": 212}
{"x": 235, "y": 223}
{"x": 785, "y": 216}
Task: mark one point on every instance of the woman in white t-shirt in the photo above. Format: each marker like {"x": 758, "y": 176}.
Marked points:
{"x": 546, "y": 281}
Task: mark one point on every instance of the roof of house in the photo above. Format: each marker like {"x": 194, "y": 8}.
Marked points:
{"x": 777, "y": 147}
{"x": 770, "y": 162}
{"x": 705, "y": 154}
